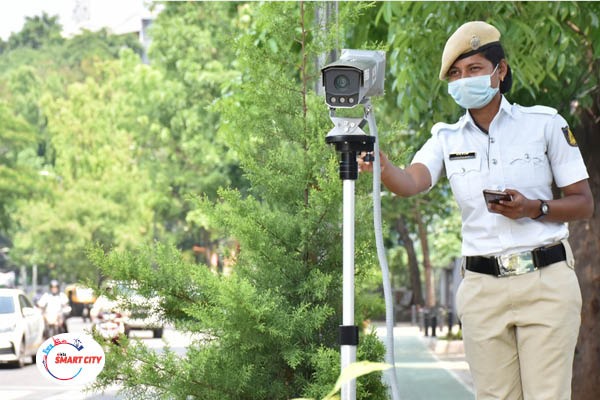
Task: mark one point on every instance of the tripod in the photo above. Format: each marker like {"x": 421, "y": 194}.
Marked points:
{"x": 350, "y": 140}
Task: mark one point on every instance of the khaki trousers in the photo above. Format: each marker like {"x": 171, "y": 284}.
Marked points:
{"x": 520, "y": 332}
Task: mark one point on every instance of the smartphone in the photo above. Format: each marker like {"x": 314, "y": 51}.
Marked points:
{"x": 494, "y": 196}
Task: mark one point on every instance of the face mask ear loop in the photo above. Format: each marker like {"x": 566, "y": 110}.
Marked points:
{"x": 492, "y": 74}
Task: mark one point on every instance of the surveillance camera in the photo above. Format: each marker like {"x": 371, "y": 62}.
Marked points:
{"x": 356, "y": 75}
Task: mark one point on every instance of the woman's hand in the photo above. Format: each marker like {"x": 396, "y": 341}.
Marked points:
{"x": 367, "y": 166}
{"x": 576, "y": 203}
{"x": 519, "y": 207}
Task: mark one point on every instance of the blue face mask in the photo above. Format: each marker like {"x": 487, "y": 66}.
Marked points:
{"x": 474, "y": 92}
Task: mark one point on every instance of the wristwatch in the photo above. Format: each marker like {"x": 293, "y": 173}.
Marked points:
{"x": 544, "y": 210}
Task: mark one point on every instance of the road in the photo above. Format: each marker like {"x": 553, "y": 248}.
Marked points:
{"x": 28, "y": 384}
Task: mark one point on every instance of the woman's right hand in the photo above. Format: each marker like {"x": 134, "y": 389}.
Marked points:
{"x": 367, "y": 166}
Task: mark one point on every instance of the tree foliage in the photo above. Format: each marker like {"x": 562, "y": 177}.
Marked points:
{"x": 50, "y": 89}
{"x": 38, "y": 31}
{"x": 16, "y": 175}
{"x": 100, "y": 193}
{"x": 182, "y": 148}
{"x": 272, "y": 325}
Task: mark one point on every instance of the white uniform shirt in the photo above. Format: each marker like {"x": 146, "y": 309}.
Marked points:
{"x": 526, "y": 149}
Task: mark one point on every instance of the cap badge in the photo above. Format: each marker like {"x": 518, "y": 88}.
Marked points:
{"x": 475, "y": 42}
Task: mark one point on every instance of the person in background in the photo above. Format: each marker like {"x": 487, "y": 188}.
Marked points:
{"x": 519, "y": 301}
{"x": 55, "y": 306}
{"x": 104, "y": 303}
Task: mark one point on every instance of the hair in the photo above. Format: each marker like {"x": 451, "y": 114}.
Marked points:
{"x": 494, "y": 53}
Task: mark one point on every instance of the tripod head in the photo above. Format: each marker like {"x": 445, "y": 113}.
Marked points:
{"x": 350, "y": 140}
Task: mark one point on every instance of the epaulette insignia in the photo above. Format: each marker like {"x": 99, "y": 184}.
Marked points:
{"x": 569, "y": 136}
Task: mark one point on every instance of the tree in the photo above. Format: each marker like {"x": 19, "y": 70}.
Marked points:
{"x": 192, "y": 48}
{"x": 37, "y": 71}
{"x": 100, "y": 44}
{"x": 38, "y": 31}
{"x": 99, "y": 195}
{"x": 270, "y": 327}
{"x": 17, "y": 176}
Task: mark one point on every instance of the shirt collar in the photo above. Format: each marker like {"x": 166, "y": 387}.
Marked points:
{"x": 505, "y": 107}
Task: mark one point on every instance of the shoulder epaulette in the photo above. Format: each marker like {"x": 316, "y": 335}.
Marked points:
{"x": 538, "y": 110}
{"x": 443, "y": 125}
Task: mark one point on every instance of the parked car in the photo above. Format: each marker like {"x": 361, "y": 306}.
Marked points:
{"x": 21, "y": 327}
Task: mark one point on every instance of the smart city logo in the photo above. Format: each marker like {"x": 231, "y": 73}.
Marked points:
{"x": 70, "y": 359}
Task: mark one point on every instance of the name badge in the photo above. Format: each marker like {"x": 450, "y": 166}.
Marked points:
{"x": 462, "y": 156}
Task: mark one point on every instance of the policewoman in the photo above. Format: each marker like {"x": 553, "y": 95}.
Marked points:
{"x": 519, "y": 301}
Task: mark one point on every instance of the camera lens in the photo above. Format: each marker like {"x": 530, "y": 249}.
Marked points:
{"x": 341, "y": 82}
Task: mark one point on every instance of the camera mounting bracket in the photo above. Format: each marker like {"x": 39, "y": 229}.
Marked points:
{"x": 350, "y": 140}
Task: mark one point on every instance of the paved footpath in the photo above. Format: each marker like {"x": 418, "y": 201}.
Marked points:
{"x": 429, "y": 368}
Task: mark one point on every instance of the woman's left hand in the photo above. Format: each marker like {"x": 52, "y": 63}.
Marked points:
{"x": 519, "y": 207}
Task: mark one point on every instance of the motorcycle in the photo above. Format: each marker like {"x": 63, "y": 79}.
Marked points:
{"x": 54, "y": 318}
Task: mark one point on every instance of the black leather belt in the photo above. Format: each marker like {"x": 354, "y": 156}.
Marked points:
{"x": 517, "y": 264}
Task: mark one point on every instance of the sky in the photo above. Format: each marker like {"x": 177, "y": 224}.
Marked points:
{"x": 118, "y": 13}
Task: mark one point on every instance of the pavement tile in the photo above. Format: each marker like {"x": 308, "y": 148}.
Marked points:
{"x": 429, "y": 368}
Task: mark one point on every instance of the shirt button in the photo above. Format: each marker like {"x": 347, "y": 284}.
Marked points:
{"x": 463, "y": 170}
{"x": 492, "y": 140}
{"x": 494, "y": 161}
{"x": 526, "y": 156}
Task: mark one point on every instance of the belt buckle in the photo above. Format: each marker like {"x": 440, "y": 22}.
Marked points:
{"x": 515, "y": 264}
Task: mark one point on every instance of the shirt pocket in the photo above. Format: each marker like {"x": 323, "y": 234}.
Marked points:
{"x": 527, "y": 166}
{"x": 465, "y": 177}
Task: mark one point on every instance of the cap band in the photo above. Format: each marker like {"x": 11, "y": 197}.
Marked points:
{"x": 477, "y": 50}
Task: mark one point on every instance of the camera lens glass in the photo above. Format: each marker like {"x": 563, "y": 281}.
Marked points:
{"x": 341, "y": 82}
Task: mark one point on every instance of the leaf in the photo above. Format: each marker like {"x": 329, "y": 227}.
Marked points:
{"x": 561, "y": 63}
{"x": 386, "y": 11}
{"x": 594, "y": 19}
{"x": 353, "y": 371}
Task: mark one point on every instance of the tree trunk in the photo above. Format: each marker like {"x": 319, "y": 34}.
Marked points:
{"x": 429, "y": 285}
{"x": 585, "y": 240}
{"x": 413, "y": 264}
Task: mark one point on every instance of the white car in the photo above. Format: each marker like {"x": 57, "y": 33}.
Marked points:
{"x": 139, "y": 312}
{"x": 21, "y": 327}
{"x": 142, "y": 313}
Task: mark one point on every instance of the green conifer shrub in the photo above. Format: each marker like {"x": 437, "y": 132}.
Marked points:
{"x": 269, "y": 329}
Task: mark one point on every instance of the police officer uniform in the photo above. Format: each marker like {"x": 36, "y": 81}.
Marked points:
{"x": 519, "y": 301}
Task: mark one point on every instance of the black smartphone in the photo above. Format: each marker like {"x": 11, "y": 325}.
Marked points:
{"x": 494, "y": 196}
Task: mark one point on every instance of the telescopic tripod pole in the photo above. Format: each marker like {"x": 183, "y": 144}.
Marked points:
{"x": 349, "y": 140}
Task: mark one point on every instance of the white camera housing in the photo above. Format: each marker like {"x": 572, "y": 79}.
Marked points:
{"x": 358, "y": 74}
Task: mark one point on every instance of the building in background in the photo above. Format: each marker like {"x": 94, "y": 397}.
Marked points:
{"x": 119, "y": 17}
